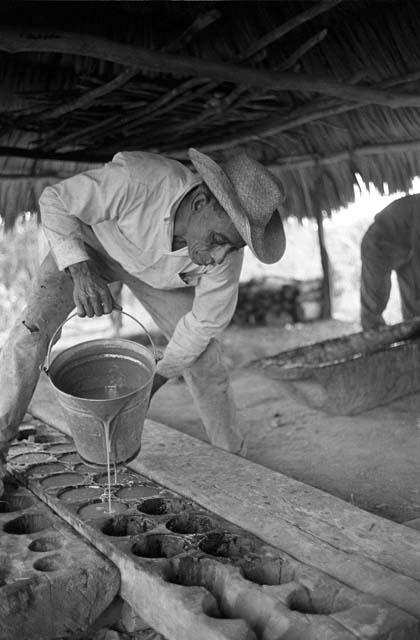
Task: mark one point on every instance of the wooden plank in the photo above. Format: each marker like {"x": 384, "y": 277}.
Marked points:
{"x": 52, "y": 582}
{"x": 182, "y": 588}
{"x": 360, "y": 549}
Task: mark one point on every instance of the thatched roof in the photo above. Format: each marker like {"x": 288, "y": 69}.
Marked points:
{"x": 319, "y": 91}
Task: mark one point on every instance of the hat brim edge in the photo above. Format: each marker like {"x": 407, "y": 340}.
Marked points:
{"x": 218, "y": 183}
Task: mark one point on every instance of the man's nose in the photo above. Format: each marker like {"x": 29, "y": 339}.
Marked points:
{"x": 219, "y": 253}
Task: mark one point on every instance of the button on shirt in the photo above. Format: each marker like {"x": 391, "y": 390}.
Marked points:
{"x": 130, "y": 204}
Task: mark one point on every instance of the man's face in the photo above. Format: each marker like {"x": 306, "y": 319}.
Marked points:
{"x": 211, "y": 234}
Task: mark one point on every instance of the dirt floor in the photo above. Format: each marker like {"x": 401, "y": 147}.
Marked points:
{"x": 370, "y": 460}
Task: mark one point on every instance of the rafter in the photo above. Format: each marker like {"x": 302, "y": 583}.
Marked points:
{"x": 288, "y": 26}
{"x": 87, "y": 99}
{"x": 311, "y": 112}
{"x": 314, "y": 160}
{"x": 19, "y": 40}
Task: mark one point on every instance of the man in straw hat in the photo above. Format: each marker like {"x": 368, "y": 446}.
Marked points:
{"x": 391, "y": 243}
{"x": 176, "y": 239}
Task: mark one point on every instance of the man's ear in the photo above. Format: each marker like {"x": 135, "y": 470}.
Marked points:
{"x": 200, "y": 199}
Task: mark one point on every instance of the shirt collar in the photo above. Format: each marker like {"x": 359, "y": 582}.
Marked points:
{"x": 170, "y": 216}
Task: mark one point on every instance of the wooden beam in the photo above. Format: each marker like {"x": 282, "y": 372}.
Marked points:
{"x": 310, "y": 112}
{"x": 314, "y": 210}
{"x": 288, "y": 26}
{"x": 307, "y": 161}
{"x": 88, "y": 98}
{"x": 290, "y": 162}
{"x": 54, "y": 41}
{"x": 302, "y": 50}
{"x": 72, "y": 156}
{"x": 146, "y": 113}
{"x": 84, "y": 101}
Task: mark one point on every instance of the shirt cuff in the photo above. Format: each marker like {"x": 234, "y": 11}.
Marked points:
{"x": 177, "y": 358}
{"x": 69, "y": 251}
{"x": 172, "y": 367}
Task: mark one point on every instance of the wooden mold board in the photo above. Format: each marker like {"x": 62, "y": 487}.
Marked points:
{"x": 360, "y": 549}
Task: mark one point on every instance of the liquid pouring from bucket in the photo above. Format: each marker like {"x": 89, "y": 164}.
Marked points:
{"x": 103, "y": 387}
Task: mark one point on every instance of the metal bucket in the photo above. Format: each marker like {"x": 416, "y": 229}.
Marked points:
{"x": 104, "y": 384}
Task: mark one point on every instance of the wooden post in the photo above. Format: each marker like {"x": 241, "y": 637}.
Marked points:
{"x": 325, "y": 263}
{"x": 314, "y": 210}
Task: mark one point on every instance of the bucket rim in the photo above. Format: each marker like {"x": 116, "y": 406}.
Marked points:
{"x": 139, "y": 346}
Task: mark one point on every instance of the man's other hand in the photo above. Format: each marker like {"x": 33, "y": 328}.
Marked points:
{"x": 91, "y": 293}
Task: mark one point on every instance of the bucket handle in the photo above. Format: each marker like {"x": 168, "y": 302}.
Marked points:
{"x": 157, "y": 356}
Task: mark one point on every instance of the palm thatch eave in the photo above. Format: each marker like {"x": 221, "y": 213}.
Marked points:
{"x": 63, "y": 111}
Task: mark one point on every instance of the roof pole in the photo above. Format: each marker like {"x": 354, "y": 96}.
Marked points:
{"x": 314, "y": 210}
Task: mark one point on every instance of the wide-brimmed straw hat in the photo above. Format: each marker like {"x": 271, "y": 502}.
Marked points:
{"x": 251, "y": 196}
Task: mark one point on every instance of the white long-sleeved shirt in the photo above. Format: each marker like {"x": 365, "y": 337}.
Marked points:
{"x": 130, "y": 204}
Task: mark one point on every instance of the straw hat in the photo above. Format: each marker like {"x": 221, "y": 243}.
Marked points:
{"x": 250, "y": 195}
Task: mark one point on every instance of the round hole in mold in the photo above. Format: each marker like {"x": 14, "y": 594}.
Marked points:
{"x": 138, "y": 492}
{"x": 47, "y": 468}
{"x": 50, "y": 563}
{"x": 43, "y": 438}
{"x": 302, "y": 602}
{"x": 29, "y": 523}
{"x": 227, "y": 545}
{"x": 102, "y": 478}
{"x": 67, "y": 479}
{"x": 83, "y": 468}
{"x": 9, "y": 503}
{"x": 47, "y": 543}
{"x": 70, "y": 458}
{"x": 189, "y": 523}
{"x": 80, "y": 494}
{"x": 62, "y": 447}
{"x": 160, "y": 506}
{"x": 127, "y": 525}
{"x": 17, "y": 448}
{"x": 6, "y": 571}
{"x": 32, "y": 457}
{"x": 159, "y": 545}
{"x": 317, "y": 602}
{"x": 267, "y": 570}
{"x": 99, "y": 509}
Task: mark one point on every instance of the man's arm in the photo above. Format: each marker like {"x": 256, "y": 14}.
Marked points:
{"x": 214, "y": 305}
{"x": 85, "y": 199}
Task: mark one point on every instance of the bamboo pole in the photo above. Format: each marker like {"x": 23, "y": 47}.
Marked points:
{"x": 55, "y": 41}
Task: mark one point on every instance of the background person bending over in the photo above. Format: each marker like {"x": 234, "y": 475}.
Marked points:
{"x": 175, "y": 238}
{"x": 391, "y": 243}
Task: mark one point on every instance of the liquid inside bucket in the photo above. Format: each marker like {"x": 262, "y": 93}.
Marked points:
{"x": 102, "y": 377}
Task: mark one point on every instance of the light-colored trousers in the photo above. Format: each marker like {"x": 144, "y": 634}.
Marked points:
{"x": 50, "y": 302}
